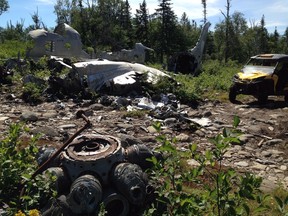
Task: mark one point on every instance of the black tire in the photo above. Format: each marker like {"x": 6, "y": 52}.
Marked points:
{"x": 232, "y": 94}
{"x": 262, "y": 98}
{"x": 286, "y": 98}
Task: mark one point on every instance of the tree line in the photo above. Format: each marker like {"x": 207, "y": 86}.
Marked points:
{"x": 109, "y": 25}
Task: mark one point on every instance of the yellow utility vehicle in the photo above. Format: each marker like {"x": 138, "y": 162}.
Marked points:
{"x": 263, "y": 75}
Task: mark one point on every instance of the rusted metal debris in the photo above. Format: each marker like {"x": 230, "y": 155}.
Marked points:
{"x": 49, "y": 160}
{"x": 93, "y": 169}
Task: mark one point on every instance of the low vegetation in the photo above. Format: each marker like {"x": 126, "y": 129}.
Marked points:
{"x": 7, "y": 49}
{"x": 18, "y": 163}
{"x": 208, "y": 188}
{"x": 212, "y": 83}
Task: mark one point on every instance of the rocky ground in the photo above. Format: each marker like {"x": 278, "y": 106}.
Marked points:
{"x": 263, "y": 144}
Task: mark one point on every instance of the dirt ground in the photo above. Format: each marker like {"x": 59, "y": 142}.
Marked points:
{"x": 263, "y": 148}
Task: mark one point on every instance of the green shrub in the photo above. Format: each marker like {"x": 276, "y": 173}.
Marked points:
{"x": 212, "y": 67}
{"x": 32, "y": 93}
{"x": 11, "y": 48}
{"x": 213, "y": 82}
{"x": 180, "y": 86}
{"x": 217, "y": 76}
{"x": 187, "y": 90}
{"x": 207, "y": 189}
{"x": 17, "y": 164}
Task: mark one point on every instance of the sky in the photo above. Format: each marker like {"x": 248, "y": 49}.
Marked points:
{"x": 275, "y": 11}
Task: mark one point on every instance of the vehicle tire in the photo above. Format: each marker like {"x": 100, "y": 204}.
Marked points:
{"x": 232, "y": 94}
{"x": 262, "y": 98}
{"x": 286, "y": 98}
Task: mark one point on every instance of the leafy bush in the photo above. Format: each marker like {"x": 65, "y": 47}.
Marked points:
{"x": 187, "y": 91}
{"x": 18, "y": 163}
{"x": 214, "y": 80}
{"x": 207, "y": 189}
{"x": 172, "y": 198}
{"x": 183, "y": 91}
{"x": 32, "y": 93}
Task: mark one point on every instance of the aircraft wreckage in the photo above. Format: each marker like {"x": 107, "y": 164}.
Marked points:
{"x": 137, "y": 54}
{"x": 117, "y": 71}
{"x": 112, "y": 71}
{"x": 65, "y": 42}
{"x": 92, "y": 168}
{"x": 99, "y": 75}
{"x": 190, "y": 61}
{"x": 114, "y": 75}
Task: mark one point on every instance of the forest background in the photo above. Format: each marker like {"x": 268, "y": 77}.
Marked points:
{"x": 109, "y": 25}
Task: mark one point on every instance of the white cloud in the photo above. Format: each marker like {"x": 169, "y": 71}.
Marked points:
{"x": 275, "y": 14}
{"x": 193, "y": 9}
{"x": 46, "y": 2}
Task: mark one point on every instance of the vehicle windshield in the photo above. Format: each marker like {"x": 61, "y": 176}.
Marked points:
{"x": 266, "y": 66}
{"x": 262, "y": 62}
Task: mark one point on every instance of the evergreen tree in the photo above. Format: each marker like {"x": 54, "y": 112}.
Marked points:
{"x": 250, "y": 42}
{"x": 107, "y": 25}
{"x": 274, "y": 42}
{"x": 167, "y": 31}
{"x": 237, "y": 29}
{"x": 262, "y": 35}
{"x": 14, "y": 32}
{"x": 38, "y": 24}
{"x": 184, "y": 22}
{"x": 125, "y": 19}
{"x": 109, "y": 19}
{"x": 84, "y": 19}
{"x": 142, "y": 24}
{"x": 187, "y": 34}
{"x": 79, "y": 18}
{"x": 284, "y": 42}
{"x": 219, "y": 34}
{"x": 126, "y": 25}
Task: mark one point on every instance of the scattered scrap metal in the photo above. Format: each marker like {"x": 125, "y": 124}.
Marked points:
{"x": 137, "y": 54}
{"x": 92, "y": 169}
{"x": 98, "y": 76}
{"x": 117, "y": 76}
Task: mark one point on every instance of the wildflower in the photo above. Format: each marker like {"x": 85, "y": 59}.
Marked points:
{"x": 34, "y": 212}
{"x": 20, "y": 213}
